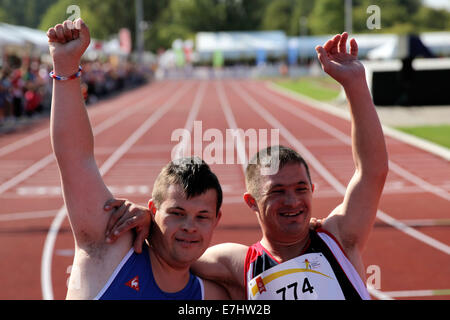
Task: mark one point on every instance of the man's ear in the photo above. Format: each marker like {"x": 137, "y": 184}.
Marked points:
{"x": 218, "y": 217}
{"x": 250, "y": 201}
{"x": 152, "y": 207}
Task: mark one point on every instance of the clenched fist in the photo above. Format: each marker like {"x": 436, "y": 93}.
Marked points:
{"x": 67, "y": 43}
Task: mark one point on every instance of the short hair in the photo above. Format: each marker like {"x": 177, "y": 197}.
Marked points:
{"x": 265, "y": 158}
{"x": 192, "y": 174}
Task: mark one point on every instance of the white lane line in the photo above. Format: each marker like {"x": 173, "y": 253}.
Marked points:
{"x": 378, "y": 294}
{"x": 181, "y": 148}
{"x": 231, "y": 120}
{"x": 324, "y": 126}
{"x": 398, "y": 135}
{"x": 29, "y": 139}
{"x": 39, "y": 165}
{"x": 47, "y": 255}
{"x": 16, "y": 145}
{"x": 417, "y": 293}
{"x": 258, "y": 108}
{"x": 27, "y": 215}
{"x": 22, "y": 176}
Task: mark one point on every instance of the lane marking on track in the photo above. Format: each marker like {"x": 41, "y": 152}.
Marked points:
{"x": 324, "y": 126}
{"x": 29, "y": 139}
{"x": 16, "y": 145}
{"x": 314, "y": 162}
{"x": 193, "y": 113}
{"x": 426, "y": 222}
{"x": 401, "y": 136}
{"x": 28, "y": 215}
{"x": 22, "y": 176}
{"x": 417, "y": 293}
{"x": 47, "y": 255}
{"x": 49, "y": 191}
{"x": 39, "y": 165}
{"x": 231, "y": 120}
{"x": 378, "y": 294}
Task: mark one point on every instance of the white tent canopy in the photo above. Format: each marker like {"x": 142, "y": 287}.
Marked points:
{"x": 235, "y": 45}
{"x": 388, "y": 50}
{"x": 394, "y": 48}
{"x": 37, "y": 38}
{"x": 437, "y": 42}
{"x": 9, "y": 38}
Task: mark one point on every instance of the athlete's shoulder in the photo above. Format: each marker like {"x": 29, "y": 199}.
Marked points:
{"x": 227, "y": 252}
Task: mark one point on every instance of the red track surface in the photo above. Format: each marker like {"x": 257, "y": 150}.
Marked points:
{"x": 417, "y": 187}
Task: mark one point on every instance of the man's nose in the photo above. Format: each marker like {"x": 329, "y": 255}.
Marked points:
{"x": 189, "y": 224}
{"x": 292, "y": 199}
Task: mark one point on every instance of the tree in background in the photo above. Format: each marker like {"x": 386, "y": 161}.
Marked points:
{"x": 277, "y": 16}
{"x": 302, "y": 9}
{"x": 24, "y": 12}
{"x": 172, "y": 19}
{"x": 327, "y": 17}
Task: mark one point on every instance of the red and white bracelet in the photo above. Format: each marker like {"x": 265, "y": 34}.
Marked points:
{"x": 61, "y": 78}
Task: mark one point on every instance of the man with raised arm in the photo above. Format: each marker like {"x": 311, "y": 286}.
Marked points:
{"x": 185, "y": 202}
{"x": 291, "y": 261}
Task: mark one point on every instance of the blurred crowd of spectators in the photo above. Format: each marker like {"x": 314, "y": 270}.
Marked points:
{"x": 25, "y": 92}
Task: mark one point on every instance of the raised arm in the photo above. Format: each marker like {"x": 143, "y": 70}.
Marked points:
{"x": 352, "y": 221}
{"x": 72, "y": 140}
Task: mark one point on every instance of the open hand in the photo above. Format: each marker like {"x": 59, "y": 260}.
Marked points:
{"x": 126, "y": 217}
{"x": 341, "y": 65}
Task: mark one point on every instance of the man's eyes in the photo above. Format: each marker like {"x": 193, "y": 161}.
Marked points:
{"x": 181, "y": 214}
{"x": 276, "y": 191}
{"x": 280, "y": 191}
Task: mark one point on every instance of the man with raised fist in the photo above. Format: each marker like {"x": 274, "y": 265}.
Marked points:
{"x": 186, "y": 202}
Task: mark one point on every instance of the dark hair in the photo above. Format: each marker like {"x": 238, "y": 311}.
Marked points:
{"x": 192, "y": 174}
{"x": 264, "y": 158}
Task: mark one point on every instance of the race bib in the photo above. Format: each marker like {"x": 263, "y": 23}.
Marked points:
{"x": 307, "y": 277}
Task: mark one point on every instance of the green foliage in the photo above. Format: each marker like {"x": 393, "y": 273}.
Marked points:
{"x": 3, "y": 16}
{"x": 171, "y": 19}
{"x": 57, "y": 14}
{"x": 327, "y": 17}
{"x": 277, "y": 16}
{"x": 23, "y": 12}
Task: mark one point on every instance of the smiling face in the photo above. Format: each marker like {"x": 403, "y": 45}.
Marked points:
{"x": 184, "y": 227}
{"x": 285, "y": 205}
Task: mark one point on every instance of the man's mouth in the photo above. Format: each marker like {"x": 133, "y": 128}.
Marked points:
{"x": 186, "y": 241}
{"x": 292, "y": 213}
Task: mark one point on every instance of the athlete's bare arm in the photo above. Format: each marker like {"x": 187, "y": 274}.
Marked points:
{"x": 72, "y": 141}
{"x": 214, "y": 291}
{"x": 224, "y": 264}
{"x": 352, "y": 221}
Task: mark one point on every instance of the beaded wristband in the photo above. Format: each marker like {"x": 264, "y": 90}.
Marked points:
{"x": 61, "y": 78}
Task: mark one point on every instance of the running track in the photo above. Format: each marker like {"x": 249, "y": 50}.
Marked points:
{"x": 409, "y": 243}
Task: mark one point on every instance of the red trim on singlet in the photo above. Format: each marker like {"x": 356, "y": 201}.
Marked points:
{"x": 340, "y": 247}
{"x": 256, "y": 250}
{"x": 334, "y": 238}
